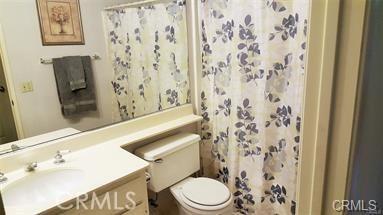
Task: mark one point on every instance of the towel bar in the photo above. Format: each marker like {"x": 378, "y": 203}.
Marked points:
{"x": 49, "y": 61}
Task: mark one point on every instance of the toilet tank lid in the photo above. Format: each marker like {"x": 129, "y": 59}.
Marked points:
{"x": 166, "y": 146}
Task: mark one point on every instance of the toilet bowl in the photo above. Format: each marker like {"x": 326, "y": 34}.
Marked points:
{"x": 202, "y": 196}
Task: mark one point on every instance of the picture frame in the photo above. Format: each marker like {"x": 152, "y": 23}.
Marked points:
{"x": 60, "y": 22}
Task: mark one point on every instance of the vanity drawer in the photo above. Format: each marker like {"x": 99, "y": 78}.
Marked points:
{"x": 137, "y": 190}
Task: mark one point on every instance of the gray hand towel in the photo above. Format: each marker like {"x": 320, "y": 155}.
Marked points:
{"x": 86, "y": 98}
{"x": 75, "y": 72}
{"x": 75, "y": 102}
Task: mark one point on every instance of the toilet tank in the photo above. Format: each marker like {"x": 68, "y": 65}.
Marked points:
{"x": 171, "y": 159}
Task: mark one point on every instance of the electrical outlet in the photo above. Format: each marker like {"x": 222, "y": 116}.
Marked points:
{"x": 27, "y": 87}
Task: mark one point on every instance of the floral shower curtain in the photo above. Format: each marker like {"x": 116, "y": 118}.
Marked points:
{"x": 252, "y": 91}
{"x": 148, "y": 50}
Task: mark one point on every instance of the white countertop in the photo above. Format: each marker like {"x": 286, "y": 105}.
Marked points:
{"x": 101, "y": 164}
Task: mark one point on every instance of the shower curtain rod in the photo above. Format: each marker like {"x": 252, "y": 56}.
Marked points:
{"x": 132, "y": 4}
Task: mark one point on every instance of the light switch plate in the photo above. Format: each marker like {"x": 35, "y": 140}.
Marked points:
{"x": 27, "y": 87}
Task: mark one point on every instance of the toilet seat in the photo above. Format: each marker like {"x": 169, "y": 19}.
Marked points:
{"x": 205, "y": 194}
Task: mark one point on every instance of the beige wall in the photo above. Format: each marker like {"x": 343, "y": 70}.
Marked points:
{"x": 40, "y": 110}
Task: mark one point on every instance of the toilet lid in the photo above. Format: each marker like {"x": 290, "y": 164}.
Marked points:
{"x": 206, "y": 191}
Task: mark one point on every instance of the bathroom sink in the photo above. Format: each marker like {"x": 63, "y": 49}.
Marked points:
{"x": 42, "y": 187}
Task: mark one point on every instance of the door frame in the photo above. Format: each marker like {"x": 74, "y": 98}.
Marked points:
{"x": 11, "y": 88}
{"x": 320, "y": 70}
{"x": 345, "y": 106}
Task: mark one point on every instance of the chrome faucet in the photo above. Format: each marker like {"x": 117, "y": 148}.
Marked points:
{"x": 15, "y": 147}
{"x": 12, "y": 148}
{"x": 59, "y": 156}
{"x": 31, "y": 167}
{"x": 2, "y": 177}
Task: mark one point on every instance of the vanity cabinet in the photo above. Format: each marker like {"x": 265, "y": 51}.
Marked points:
{"x": 140, "y": 209}
{"x": 116, "y": 199}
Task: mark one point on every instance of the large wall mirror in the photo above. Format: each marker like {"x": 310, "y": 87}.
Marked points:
{"x": 64, "y": 72}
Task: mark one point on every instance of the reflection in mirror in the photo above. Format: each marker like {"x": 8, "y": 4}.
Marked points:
{"x": 149, "y": 57}
{"x": 109, "y": 64}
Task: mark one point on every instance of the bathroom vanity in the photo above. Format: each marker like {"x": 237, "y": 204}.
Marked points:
{"x": 98, "y": 169}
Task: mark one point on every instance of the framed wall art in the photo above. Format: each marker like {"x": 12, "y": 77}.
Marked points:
{"x": 60, "y": 22}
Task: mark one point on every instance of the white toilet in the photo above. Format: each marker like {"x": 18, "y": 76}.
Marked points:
{"x": 172, "y": 161}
